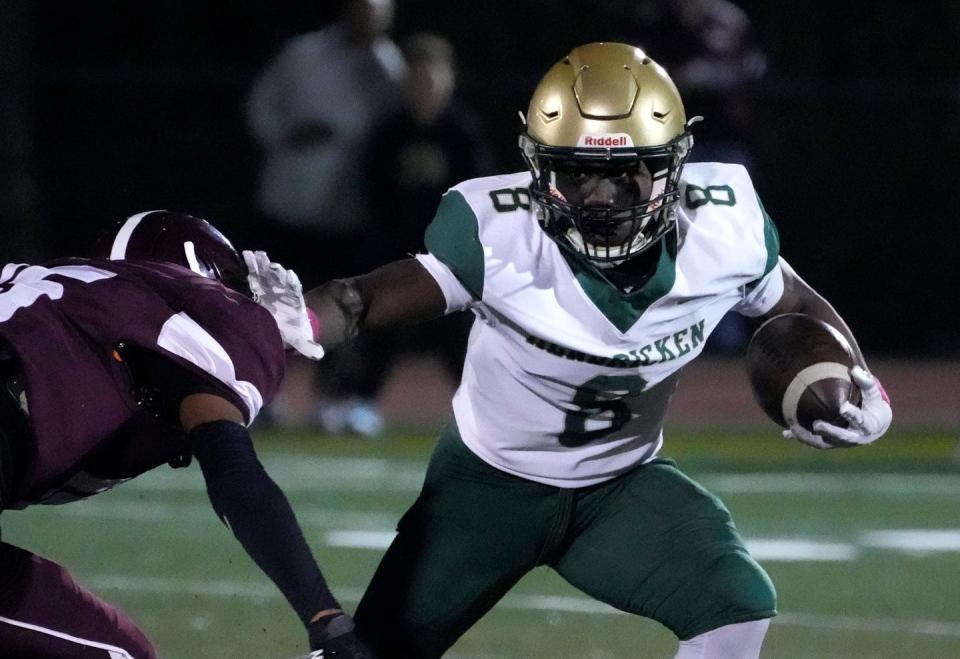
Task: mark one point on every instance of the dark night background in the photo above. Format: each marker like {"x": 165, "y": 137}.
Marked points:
{"x": 113, "y": 107}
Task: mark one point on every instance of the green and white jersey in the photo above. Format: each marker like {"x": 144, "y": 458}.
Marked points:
{"x": 567, "y": 379}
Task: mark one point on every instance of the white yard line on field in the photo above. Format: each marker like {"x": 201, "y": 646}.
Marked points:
{"x": 295, "y": 473}
{"x": 817, "y": 484}
{"x": 325, "y": 474}
{"x": 862, "y": 624}
{"x": 263, "y": 591}
{"x": 359, "y": 539}
{"x": 763, "y": 549}
{"x": 116, "y": 508}
{"x": 372, "y": 530}
{"x": 799, "y": 549}
{"x": 910, "y": 541}
{"x": 914, "y": 541}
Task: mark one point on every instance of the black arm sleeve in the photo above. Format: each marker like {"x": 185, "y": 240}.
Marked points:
{"x": 258, "y": 513}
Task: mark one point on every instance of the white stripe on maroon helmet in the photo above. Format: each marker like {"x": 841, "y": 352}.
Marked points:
{"x": 118, "y": 250}
{"x": 190, "y": 251}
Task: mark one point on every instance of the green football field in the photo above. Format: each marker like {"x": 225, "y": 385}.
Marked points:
{"x": 863, "y": 546}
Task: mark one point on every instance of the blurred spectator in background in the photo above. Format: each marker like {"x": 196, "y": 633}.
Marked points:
{"x": 414, "y": 156}
{"x": 312, "y": 110}
{"x": 423, "y": 148}
{"x": 708, "y": 48}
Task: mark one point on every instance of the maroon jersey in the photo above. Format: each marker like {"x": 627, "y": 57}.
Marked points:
{"x": 68, "y": 322}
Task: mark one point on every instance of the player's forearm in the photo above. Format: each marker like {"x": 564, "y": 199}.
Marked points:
{"x": 399, "y": 293}
{"x": 259, "y": 515}
{"x": 337, "y": 310}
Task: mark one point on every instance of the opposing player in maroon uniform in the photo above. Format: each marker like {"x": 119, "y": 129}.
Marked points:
{"x": 110, "y": 367}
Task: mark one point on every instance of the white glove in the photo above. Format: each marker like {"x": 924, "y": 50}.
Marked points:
{"x": 865, "y": 424}
{"x": 278, "y": 290}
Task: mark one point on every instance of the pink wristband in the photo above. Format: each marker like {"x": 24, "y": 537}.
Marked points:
{"x": 883, "y": 392}
{"x": 315, "y": 325}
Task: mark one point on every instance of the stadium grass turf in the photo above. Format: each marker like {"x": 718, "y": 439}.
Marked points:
{"x": 154, "y": 547}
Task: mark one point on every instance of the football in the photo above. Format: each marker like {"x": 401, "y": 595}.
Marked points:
{"x": 799, "y": 369}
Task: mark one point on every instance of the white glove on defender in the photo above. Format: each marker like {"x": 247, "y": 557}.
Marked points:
{"x": 865, "y": 424}
{"x": 278, "y": 290}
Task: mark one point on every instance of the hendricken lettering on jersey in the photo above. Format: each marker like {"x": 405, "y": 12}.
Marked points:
{"x": 664, "y": 349}
{"x": 613, "y": 140}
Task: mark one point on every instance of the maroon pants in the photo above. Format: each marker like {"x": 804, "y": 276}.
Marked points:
{"x": 45, "y": 614}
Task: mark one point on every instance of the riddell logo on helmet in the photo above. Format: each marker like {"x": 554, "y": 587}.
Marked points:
{"x": 612, "y": 140}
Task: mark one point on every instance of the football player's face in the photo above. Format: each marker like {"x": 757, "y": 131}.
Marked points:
{"x": 606, "y": 187}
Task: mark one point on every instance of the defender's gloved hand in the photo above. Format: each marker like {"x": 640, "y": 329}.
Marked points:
{"x": 333, "y": 638}
{"x": 278, "y": 290}
{"x": 865, "y": 424}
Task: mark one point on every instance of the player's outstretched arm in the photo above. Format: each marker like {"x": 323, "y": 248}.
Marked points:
{"x": 255, "y": 509}
{"x": 869, "y": 421}
{"x": 399, "y": 293}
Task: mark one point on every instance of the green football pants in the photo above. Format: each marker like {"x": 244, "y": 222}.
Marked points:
{"x": 650, "y": 542}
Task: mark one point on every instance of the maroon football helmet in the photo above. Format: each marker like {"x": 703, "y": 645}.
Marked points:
{"x": 177, "y": 238}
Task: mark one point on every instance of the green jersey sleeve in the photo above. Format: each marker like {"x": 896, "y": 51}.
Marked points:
{"x": 771, "y": 240}
{"x": 454, "y": 238}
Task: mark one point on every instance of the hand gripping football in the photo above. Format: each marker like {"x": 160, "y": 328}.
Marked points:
{"x": 799, "y": 369}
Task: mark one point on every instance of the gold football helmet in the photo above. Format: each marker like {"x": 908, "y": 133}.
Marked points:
{"x": 606, "y": 138}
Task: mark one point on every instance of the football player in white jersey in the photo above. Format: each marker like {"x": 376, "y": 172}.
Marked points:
{"x": 595, "y": 276}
